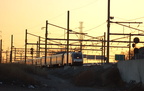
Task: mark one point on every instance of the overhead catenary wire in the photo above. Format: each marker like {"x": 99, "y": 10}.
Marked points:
{"x": 136, "y": 18}
{"x": 130, "y": 27}
{"x": 95, "y": 27}
{"x": 130, "y": 19}
{"x": 73, "y": 31}
{"x": 86, "y": 5}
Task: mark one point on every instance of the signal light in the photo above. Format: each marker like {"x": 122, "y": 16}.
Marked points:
{"x": 133, "y": 45}
{"x": 136, "y": 40}
{"x": 31, "y": 51}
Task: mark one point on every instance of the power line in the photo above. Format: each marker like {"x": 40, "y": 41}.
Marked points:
{"x": 135, "y": 19}
{"x": 130, "y": 19}
{"x": 58, "y": 16}
{"x": 72, "y": 31}
{"x": 37, "y": 25}
{"x": 85, "y": 5}
{"x": 95, "y": 27}
{"x": 130, "y": 27}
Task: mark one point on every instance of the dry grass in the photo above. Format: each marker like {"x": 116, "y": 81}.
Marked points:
{"x": 20, "y": 73}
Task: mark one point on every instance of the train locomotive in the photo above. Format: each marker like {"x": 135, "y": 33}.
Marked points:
{"x": 60, "y": 59}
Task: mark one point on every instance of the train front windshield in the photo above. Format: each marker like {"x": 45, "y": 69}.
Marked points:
{"x": 78, "y": 56}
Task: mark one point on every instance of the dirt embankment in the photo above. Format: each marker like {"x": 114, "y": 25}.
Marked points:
{"x": 103, "y": 77}
{"x": 83, "y": 78}
{"x": 90, "y": 76}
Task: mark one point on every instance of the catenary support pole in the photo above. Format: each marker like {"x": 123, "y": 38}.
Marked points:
{"x": 1, "y": 51}
{"x": 25, "y": 46}
{"x": 46, "y": 35}
{"x": 11, "y": 52}
{"x": 130, "y": 46}
{"x": 108, "y": 32}
{"x": 67, "y": 36}
{"x": 104, "y": 45}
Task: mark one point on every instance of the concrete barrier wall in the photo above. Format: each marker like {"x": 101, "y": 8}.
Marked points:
{"x": 132, "y": 70}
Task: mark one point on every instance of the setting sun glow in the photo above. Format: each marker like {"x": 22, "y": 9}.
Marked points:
{"x": 18, "y": 15}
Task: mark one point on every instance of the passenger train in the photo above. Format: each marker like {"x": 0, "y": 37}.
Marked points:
{"x": 74, "y": 58}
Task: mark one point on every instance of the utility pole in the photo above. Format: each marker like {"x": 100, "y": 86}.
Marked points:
{"x": 1, "y": 51}
{"x": 130, "y": 46}
{"x": 46, "y": 35}
{"x": 1, "y": 48}
{"x": 81, "y": 36}
{"x": 104, "y": 45}
{"x": 68, "y": 36}
{"x": 102, "y": 52}
{"x": 11, "y": 49}
{"x": 108, "y": 31}
{"x": 7, "y": 56}
{"x": 15, "y": 54}
{"x": 39, "y": 47}
{"x": 25, "y": 46}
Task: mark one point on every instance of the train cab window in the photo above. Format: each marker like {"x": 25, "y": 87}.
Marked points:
{"x": 78, "y": 55}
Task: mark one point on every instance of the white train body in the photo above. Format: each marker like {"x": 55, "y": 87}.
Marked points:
{"x": 75, "y": 58}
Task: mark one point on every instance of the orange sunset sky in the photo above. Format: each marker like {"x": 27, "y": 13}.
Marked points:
{"x": 18, "y": 15}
